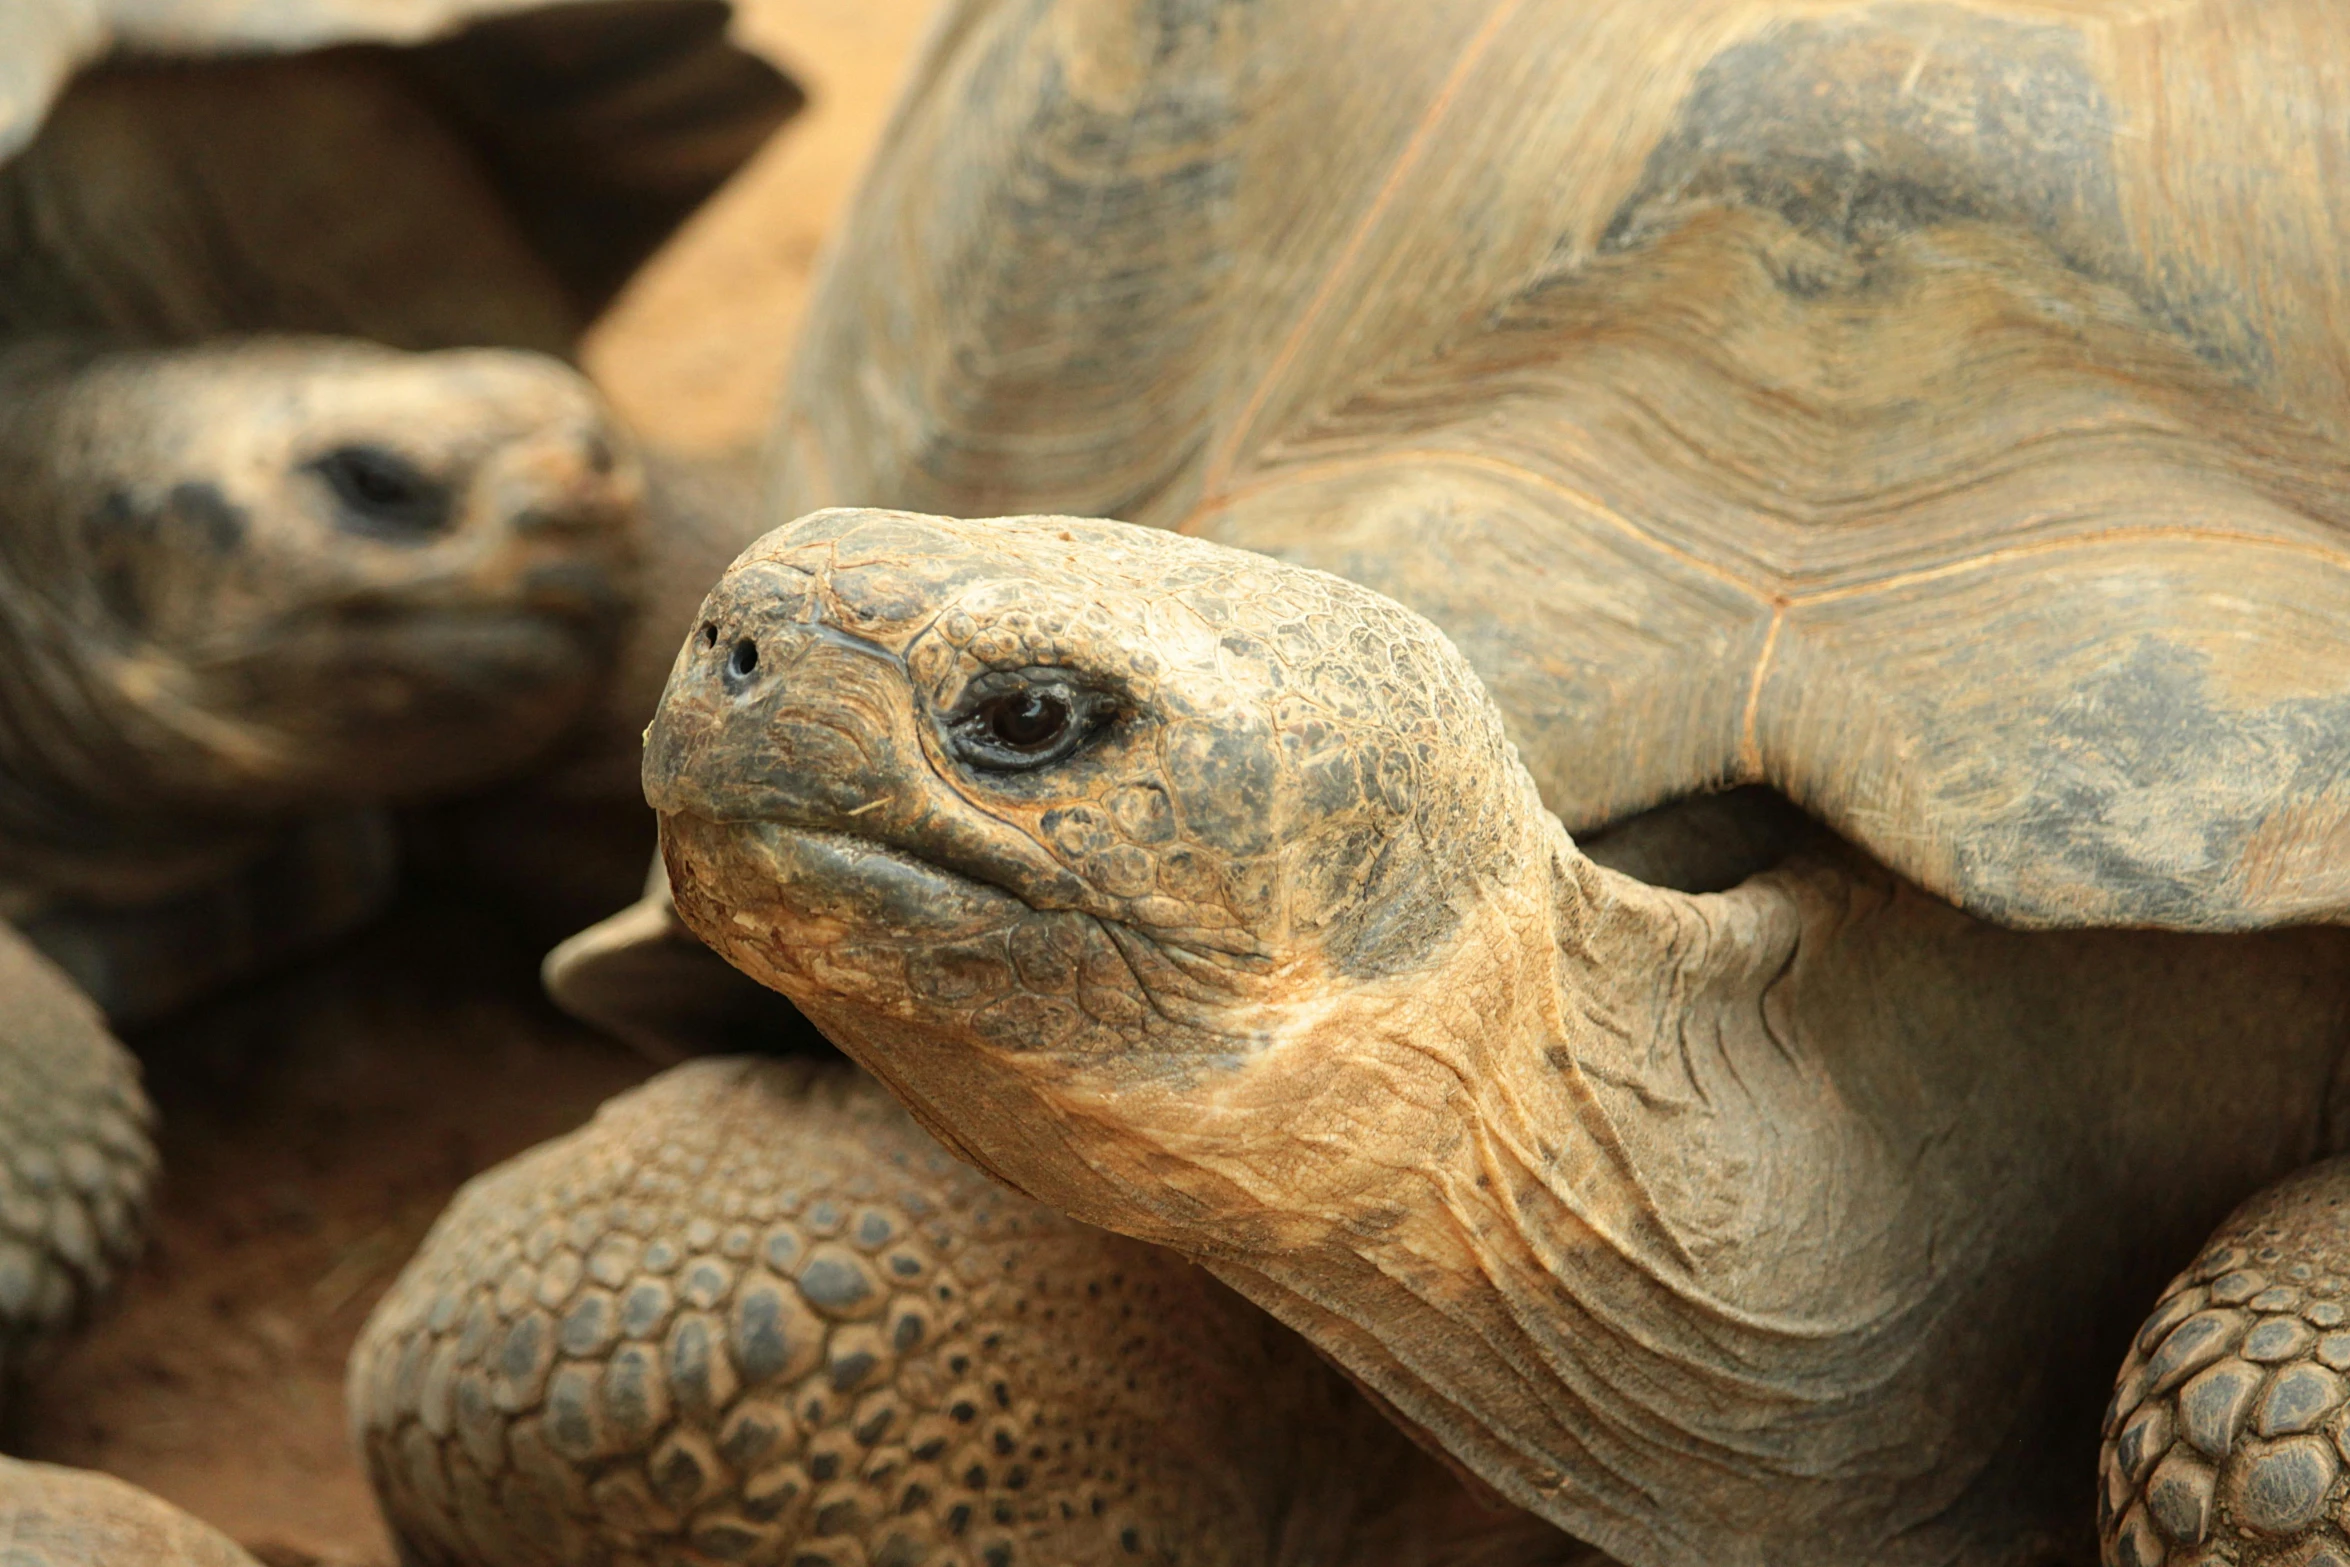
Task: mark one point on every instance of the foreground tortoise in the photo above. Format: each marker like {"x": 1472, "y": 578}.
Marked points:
{"x": 1203, "y": 897}
{"x": 1918, "y": 409}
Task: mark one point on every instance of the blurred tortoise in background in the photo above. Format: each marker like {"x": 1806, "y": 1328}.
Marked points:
{"x": 1922, "y": 410}
{"x": 303, "y": 512}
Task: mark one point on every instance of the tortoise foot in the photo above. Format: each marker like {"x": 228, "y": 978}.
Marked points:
{"x": 76, "y": 1161}
{"x": 751, "y": 1314}
{"x": 2228, "y": 1439}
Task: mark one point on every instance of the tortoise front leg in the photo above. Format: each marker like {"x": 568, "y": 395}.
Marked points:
{"x": 2227, "y": 1434}
{"x": 77, "y": 1158}
{"x": 752, "y": 1314}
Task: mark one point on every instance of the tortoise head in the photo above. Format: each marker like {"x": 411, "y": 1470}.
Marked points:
{"x": 278, "y": 570}
{"x": 1081, "y": 835}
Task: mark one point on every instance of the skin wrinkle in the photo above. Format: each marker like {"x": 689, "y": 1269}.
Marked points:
{"x": 1284, "y": 1303}
{"x": 1823, "y": 1328}
{"x": 1128, "y": 944}
{"x": 1531, "y": 1379}
{"x": 1462, "y": 1200}
{"x": 1663, "y": 1432}
{"x": 1541, "y": 1365}
{"x": 1576, "y": 1374}
{"x": 1605, "y": 1133}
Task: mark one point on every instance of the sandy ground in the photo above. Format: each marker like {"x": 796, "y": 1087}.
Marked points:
{"x": 694, "y": 351}
{"x": 313, "y": 1126}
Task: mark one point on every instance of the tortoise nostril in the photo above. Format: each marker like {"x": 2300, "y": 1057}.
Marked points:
{"x": 744, "y": 660}
{"x": 599, "y": 455}
{"x": 709, "y": 634}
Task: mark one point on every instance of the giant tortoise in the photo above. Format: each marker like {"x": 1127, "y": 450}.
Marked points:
{"x": 1935, "y": 413}
{"x": 302, "y": 510}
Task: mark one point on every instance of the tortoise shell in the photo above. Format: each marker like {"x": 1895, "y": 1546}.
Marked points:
{"x": 230, "y": 170}
{"x": 1936, "y": 412}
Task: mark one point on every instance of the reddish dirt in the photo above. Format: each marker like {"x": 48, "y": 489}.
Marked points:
{"x": 314, "y": 1125}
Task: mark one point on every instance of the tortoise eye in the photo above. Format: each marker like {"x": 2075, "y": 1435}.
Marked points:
{"x": 1023, "y": 722}
{"x": 383, "y": 493}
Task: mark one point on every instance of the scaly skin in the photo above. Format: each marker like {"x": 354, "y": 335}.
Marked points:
{"x": 751, "y": 1314}
{"x": 2226, "y": 1438}
{"x": 53, "y": 1517}
{"x": 1737, "y": 1228}
{"x": 75, "y": 1157}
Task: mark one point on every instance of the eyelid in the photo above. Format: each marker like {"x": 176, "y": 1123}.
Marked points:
{"x": 989, "y": 683}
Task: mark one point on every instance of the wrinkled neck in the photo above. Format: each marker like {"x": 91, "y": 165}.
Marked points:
{"x": 1701, "y": 1111}
{"x": 1588, "y": 1248}
{"x": 1735, "y": 1228}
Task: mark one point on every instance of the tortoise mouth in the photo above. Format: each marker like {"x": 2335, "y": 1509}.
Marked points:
{"x": 765, "y": 875}
{"x": 424, "y": 631}
{"x": 413, "y": 670}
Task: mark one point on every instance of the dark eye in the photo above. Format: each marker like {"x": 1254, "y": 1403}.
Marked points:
{"x": 383, "y": 493}
{"x": 1026, "y": 722}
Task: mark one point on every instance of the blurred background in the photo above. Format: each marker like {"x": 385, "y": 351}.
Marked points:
{"x": 694, "y": 351}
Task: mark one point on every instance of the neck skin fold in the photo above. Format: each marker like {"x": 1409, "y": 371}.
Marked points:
{"x": 1560, "y": 1203}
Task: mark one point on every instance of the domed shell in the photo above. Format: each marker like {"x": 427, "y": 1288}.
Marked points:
{"x": 1937, "y": 412}
{"x": 492, "y": 180}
